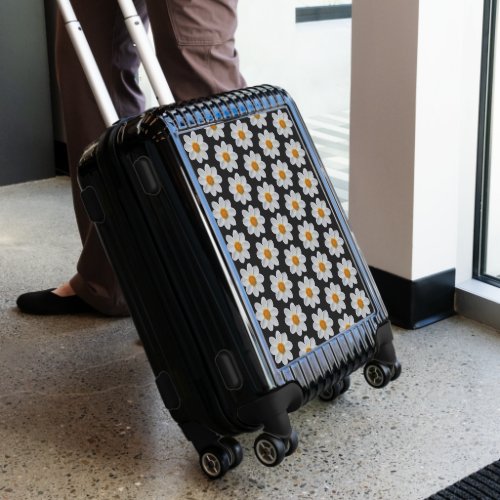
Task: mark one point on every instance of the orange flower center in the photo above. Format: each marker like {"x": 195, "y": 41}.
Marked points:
{"x": 361, "y": 304}
{"x": 255, "y": 166}
{"x": 196, "y": 147}
{"x": 309, "y": 292}
{"x": 254, "y": 221}
{"x": 238, "y": 246}
{"x": 224, "y": 213}
{"x": 240, "y": 188}
{"x": 295, "y": 153}
{"x": 334, "y": 243}
{"x": 281, "y": 348}
{"x": 335, "y": 298}
{"x": 282, "y": 123}
{"x": 322, "y": 267}
{"x": 267, "y": 253}
{"x": 281, "y": 286}
{"x": 241, "y": 134}
{"x": 269, "y": 144}
{"x": 268, "y": 197}
{"x": 295, "y": 260}
{"x": 295, "y": 204}
{"x": 347, "y": 273}
{"x": 226, "y": 156}
{"x": 322, "y": 324}
{"x": 309, "y": 236}
{"x": 295, "y": 319}
{"x": 321, "y": 212}
{"x": 267, "y": 314}
{"x": 308, "y": 183}
{"x": 213, "y": 127}
{"x": 282, "y": 174}
{"x": 210, "y": 180}
{"x": 308, "y": 348}
{"x": 282, "y": 228}
{"x": 252, "y": 280}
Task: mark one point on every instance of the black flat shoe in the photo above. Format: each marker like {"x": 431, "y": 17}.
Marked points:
{"x": 48, "y": 303}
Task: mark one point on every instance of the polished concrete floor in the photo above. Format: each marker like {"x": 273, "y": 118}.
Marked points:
{"x": 80, "y": 416}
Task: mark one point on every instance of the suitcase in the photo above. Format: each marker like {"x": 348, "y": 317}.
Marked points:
{"x": 243, "y": 279}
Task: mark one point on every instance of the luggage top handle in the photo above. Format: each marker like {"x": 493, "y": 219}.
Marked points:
{"x": 146, "y": 54}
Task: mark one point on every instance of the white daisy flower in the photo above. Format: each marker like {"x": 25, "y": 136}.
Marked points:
{"x": 307, "y": 346}
{"x": 215, "y": 131}
{"x": 360, "y": 303}
{"x": 309, "y": 292}
{"x": 295, "y": 152}
{"x": 258, "y": 120}
{"x": 282, "y": 174}
{"x": 322, "y": 323}
{"x": 196, "y": 147}
{"x": 334, "y": 243}
{"x": 295, "y": 319}
{"x": 322, "y": 266}
{"x": 209, "y": 180}
{"x": 253, "y": 221}
{"x": 241, "y": 134}
{"x": 335, "y": 298}
{"x": 281, "y": 286}
{"x": 252, "y": 280}
{"x": 308, "y": 183}
{"x": 267, "y": 314}
{"x": 346, "y": 322}
{"x": 238, "y": 246}
{"x": 240, "y": 189}
{"x": 282, "y": 123}
{"x": 308, "y": 235}
{"x": 281, "y": 228}
{"x": 224, "y": 213}
{"x": 295, "y": 260}
{"x": 267, "y": 253}
{"x": 281, "y": 348}
{"x": 269, "y": 144}
{"x": 321, "y": 212}
{"x": 295, "y": 204}
{"x": 268, "y": 197}
{"x": 226, "y": 156}
{"x": 347, "y": 273}
{"x": 255, "y": 166}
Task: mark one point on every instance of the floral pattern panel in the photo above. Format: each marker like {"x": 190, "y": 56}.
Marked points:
{"x": 280, "y": 230}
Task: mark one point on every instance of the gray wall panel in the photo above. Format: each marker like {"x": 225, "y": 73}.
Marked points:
{"x": 26, "y": 137}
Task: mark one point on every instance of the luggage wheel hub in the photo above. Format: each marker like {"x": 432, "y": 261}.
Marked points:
{"x": 375, "y": 375}
{"x": 266, "y": 452}
{"x": 211, "y": 464}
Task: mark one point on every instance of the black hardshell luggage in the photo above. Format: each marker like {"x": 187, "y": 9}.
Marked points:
{"x": 237, "y": 335}
{"x": 242, "y": 277}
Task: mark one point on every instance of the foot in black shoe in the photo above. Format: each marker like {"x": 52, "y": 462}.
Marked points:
{"x": 48, "y": 303}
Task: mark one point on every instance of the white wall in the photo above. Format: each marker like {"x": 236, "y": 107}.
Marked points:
{"x": 382, "y": 150}
{"x": 415, "y": 89}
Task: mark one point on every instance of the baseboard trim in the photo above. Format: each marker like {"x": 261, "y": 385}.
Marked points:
{"x": 415, "y": 304}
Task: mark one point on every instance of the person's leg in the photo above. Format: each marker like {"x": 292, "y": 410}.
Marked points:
{"x": 102, "y": 23}
{"x": 195, "y": 44}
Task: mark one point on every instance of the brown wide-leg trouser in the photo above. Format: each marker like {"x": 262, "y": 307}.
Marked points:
{"x": 194, "y": 41}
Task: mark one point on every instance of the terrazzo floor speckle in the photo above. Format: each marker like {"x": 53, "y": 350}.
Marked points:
{"x": 80, "y": 415}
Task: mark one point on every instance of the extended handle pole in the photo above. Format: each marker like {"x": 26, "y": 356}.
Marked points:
{"x": 147, "y": 54}
{"x": 88, "y": 63}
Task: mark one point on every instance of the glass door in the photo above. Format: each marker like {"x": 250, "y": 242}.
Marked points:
{"x": 487, "y": 227}
{"x": 304, "y": 46}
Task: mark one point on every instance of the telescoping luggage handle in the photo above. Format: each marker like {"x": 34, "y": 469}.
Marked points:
{"x": 146, "y": 54}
